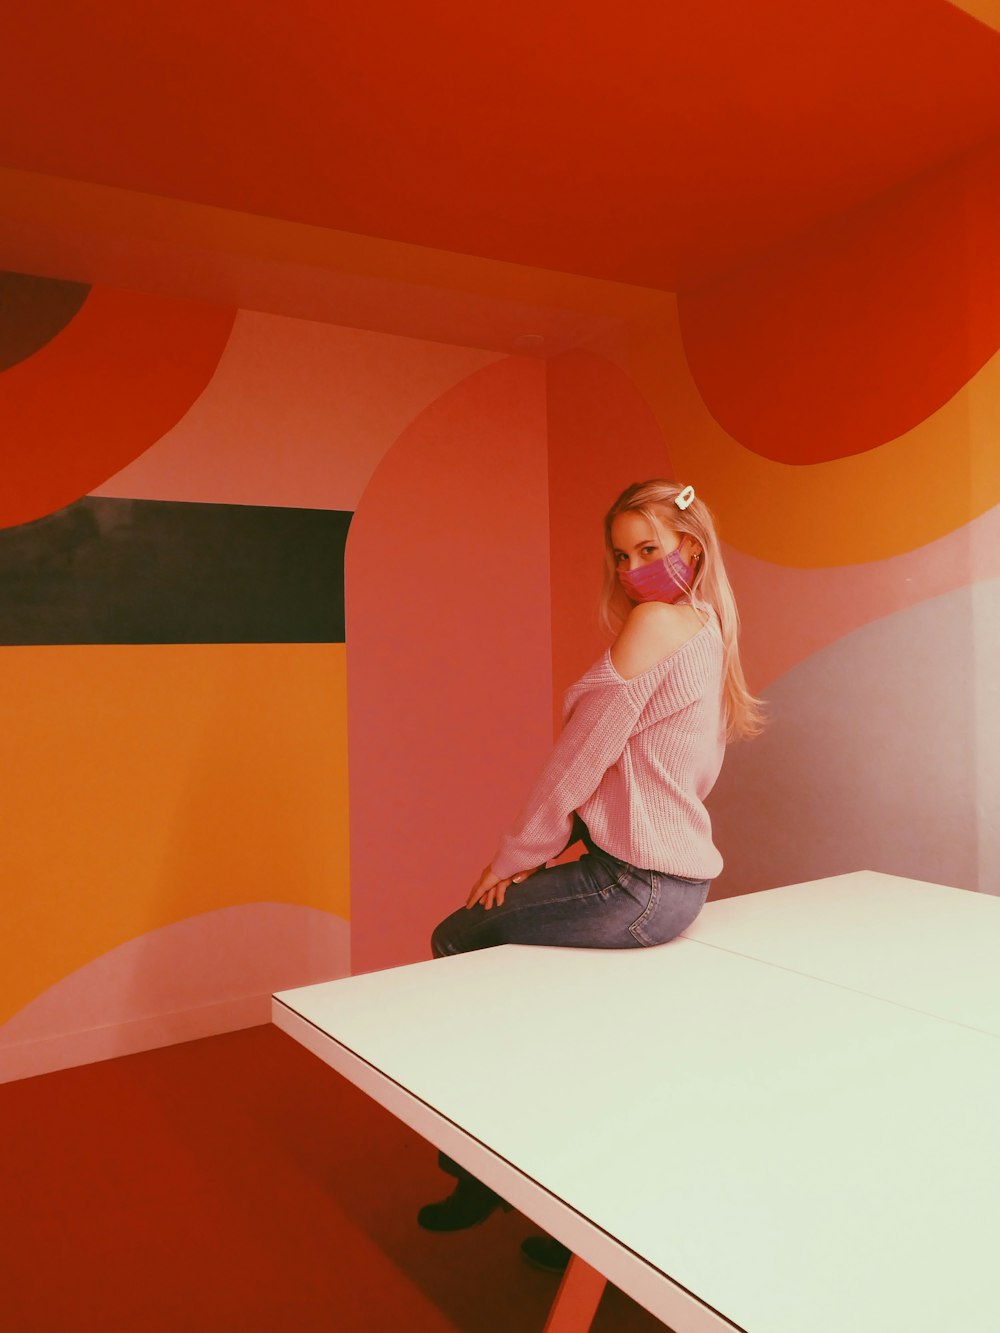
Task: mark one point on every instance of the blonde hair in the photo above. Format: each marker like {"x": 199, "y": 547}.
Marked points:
{"x": 710, "y": 587}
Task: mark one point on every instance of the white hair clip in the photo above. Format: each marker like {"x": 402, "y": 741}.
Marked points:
{"x": 684, "y": 499}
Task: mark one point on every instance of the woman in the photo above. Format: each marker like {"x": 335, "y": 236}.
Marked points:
{"x": 642, "y": 743}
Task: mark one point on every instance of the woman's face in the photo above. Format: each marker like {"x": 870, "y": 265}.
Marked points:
{"x": 636, "y": 543}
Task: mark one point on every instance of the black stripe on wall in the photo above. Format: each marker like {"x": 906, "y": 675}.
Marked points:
{"x": 104, "y": 570}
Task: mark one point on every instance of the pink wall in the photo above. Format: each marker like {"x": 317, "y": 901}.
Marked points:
{"x": 449, "y": 649}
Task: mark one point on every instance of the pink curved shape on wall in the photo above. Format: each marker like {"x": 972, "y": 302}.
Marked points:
{"x": 448, "y": 655}
{"x": 788, "y": 615}
{"x": 297, "y": 414}
{"x": 209, "y": 973}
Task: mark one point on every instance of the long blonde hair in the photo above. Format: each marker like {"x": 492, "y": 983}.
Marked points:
{"x": 654, "y": 499}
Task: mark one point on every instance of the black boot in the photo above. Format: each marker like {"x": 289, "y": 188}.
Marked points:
{"x": 469, "y": 1203}
{"x": 449, "y": 1164}
{"x": 546, "y": 1252}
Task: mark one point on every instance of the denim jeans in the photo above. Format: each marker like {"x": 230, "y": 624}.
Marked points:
{"x": 597, "y": 902}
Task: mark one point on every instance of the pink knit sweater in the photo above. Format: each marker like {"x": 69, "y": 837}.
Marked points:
{"x": 636, "y": 758}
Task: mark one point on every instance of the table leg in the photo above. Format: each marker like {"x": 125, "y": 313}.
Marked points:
{"x": 577, "y": 1299}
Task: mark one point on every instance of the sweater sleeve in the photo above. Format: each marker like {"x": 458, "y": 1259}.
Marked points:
{"x": 601, "y": 714}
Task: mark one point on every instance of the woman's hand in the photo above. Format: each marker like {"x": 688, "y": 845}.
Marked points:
{"x": 491, "y": 888}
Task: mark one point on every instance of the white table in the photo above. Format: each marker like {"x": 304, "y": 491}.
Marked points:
{"x": 785, "y": 1121}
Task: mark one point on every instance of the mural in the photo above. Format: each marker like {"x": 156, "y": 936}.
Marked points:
{"x": 882, "y": 315}
{"x": 837, "y": 404}
{"x": 287, "y": 607}
{"x": 880, "y": 756}
{"x": 449, "y": 635}
{"x": 118, "y": 375}
{"x": 34, "y": 311}
{"x": 174, "y": 662}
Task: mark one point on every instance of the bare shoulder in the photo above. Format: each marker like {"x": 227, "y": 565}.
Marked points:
{"x": 652, "y": 632}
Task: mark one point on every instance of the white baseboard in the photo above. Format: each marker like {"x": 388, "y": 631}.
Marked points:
{"x": 48, "y": 1054}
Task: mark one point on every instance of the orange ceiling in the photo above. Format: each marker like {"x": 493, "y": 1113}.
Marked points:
{"x": 652, "y": 142}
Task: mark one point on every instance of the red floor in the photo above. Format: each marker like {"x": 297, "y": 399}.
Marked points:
{"x": 239, "y": 1184}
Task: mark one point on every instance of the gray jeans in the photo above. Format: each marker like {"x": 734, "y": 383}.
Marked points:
{"x": 597, "y": 902}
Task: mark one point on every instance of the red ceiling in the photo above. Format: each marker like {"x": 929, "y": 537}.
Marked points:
{"x": 649, "y": 141}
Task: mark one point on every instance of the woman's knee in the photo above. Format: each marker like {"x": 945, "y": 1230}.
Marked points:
{"x": 457, "y": 933}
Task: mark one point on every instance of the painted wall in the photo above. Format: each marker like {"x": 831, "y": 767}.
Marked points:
{"x": 278, "y": 603}
{"x": 837, "y": 404}
{"x": 449, "y": 633}
{"x": 176, "y": 667}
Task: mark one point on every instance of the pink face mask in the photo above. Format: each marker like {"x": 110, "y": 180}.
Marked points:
{"x": 658, "y": 583}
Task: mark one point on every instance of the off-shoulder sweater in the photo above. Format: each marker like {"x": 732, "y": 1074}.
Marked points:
{"x": 636, "y": 758}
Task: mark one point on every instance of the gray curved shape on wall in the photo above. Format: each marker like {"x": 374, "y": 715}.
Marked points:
{"x": 883, "y": 753}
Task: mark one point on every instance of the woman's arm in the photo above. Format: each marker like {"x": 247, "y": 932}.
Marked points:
{"x": 596, "y": 730}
